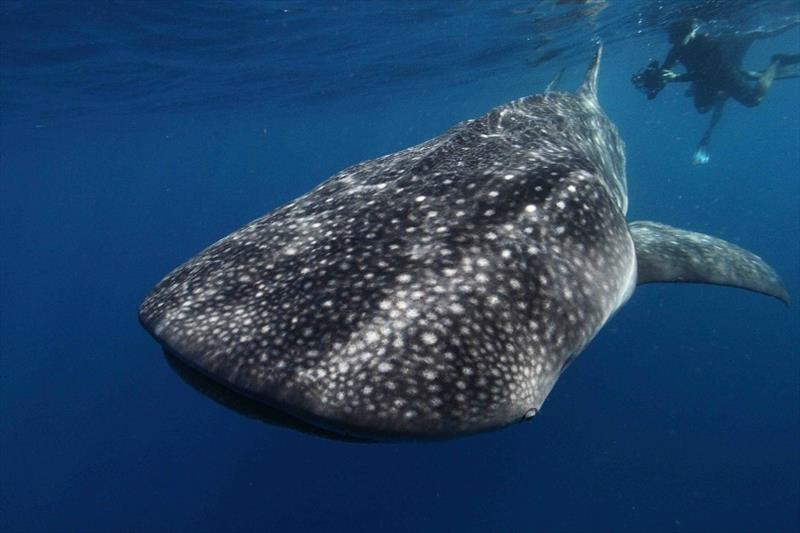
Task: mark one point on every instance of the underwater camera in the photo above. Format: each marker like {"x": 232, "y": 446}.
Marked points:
{"x": 649, "y": 80}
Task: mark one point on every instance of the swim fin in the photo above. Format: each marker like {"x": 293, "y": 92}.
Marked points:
{"x": 788, "y": 66}
{"x": 786, "y": 59}
{"x": 791, "y": 70}
{"x": 701, "y": 155}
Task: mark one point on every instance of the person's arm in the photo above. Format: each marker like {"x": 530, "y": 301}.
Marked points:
{"x": 667, "y": 74}
{"x": 672, "y": 58}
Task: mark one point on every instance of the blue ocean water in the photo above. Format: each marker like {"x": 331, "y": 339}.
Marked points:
{"x": 134, "y": 134}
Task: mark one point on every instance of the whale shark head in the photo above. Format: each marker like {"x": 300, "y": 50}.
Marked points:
{"x": 437, "y": 291}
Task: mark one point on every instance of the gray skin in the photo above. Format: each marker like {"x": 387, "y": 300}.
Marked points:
{"x": 438, "y": 291}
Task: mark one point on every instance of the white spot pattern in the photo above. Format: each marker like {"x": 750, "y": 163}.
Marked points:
{"x": 435, "y": 291}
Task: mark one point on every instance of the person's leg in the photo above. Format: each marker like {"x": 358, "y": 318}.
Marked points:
{"x": 704, "y": 97}
{"x": 766, "y": 80}
{"x": 788, "y": 67}
{"x": 702, "y": 154}
{"x": 751, "y": 95}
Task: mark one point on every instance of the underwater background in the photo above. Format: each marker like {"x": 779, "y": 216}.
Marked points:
{"x": 134, "y": 134}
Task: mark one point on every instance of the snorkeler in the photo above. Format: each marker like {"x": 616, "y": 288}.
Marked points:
{"x": 714, "y": 68}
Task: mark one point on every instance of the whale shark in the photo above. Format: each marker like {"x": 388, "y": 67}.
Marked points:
{"x": 441, "y": 290}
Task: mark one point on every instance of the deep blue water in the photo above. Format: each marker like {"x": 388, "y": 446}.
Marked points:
{"x": 134, "y": 134}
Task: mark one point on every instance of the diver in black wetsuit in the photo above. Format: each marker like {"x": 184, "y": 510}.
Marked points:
{"x": 714, "y": 67}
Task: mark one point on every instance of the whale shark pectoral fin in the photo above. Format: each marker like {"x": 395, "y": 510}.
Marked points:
{"x": 588, "y": 89}
{"x": 667, "y": 254}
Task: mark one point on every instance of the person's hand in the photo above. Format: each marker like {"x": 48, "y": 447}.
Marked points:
{"x": 668, "y": 75}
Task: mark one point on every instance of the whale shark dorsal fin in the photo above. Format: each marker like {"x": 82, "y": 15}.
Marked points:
{"x": 667, "y": 254}
{"x": 554, "y": 81}
{"x": 588, "y": 88}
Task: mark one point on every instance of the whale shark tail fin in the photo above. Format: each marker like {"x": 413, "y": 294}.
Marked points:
{"x": 588, "y": 88}
{"x": 667, "y": 254}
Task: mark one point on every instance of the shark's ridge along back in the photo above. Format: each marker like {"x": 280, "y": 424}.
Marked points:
{"x": 588, "y": 88}
{"x": 433, "y": 292}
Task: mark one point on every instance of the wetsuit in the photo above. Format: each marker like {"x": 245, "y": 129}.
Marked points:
{"x": 714, "y": 68}
{"x": 713, "y": 65}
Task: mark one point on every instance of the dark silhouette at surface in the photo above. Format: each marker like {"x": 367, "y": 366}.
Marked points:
{"x": 713, "y": 66}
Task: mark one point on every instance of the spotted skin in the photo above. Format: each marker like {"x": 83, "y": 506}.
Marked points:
{"x": 433, "y": 292}
{"x": 664, "y": 253}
